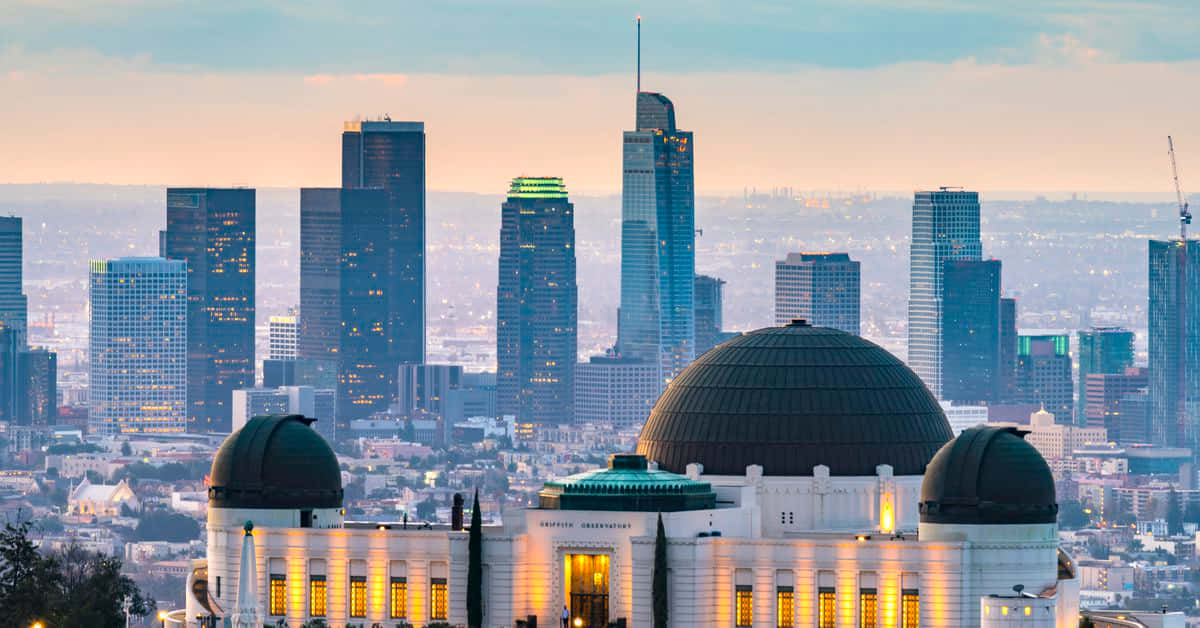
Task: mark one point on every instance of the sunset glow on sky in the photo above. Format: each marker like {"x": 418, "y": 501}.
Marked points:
{"x": 1040, "y": 96}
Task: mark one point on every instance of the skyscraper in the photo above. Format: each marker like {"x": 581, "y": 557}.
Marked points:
{"x": 313, "y": 403}
{"x": 1102, "y": 350}
{"x": 615, "y": 391}
{"x": 1007, "y": 384}
{"x": 536, "y": 303}
{"x": 282, "y": 336}
{"x": 424, "y": 388}
{"x": 1105, "y": 399}
{"x": 821, "y": 288}
{"x": 945, "y": 226}
{"x": 344, "y": 295}
{"x": 138, "y": 346}
{"x": 658, "y": 252}
{"x": 1044, "y": 374}
{"x": 1174, "y": 330}
{"x": 971, "y": 329}
{"x": 37, "y": 374}
{"x": 213, "y": 231}
{"x": 391, "y": 155}
{"x": 710, "y": 303}
{"x": 28, "y": 382}
{"x": 13, "y": 304}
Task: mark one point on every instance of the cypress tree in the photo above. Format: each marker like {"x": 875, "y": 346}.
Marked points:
{"x": 1174, "y": 514}
{"x": 658, "y": 592}
{"x": 475, "y": 567}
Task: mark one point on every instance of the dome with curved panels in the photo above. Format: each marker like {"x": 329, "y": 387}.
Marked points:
{"x": 275, "y": 461}
{"x": 791, "y": 398}
{"x": 988, "y": 475}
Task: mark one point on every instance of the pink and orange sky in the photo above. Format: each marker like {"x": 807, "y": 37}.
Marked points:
{"x": 1053, "y": 103}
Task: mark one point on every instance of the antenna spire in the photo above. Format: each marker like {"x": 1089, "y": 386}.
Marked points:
{"x": 639, "y": 54}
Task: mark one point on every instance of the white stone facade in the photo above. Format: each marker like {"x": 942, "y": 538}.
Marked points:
{"x": 812, "y": 538}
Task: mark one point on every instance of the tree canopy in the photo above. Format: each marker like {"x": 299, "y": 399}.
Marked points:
{"x": 73, "y": 587}
{"x": 160, "y": 525}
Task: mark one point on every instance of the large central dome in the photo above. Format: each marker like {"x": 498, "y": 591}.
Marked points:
{"x": 790, "y": 398}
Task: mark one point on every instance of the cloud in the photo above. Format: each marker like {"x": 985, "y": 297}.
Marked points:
{"x": 1067, "y": 48}
{"x": 536, "y": 37}
{"x": 388, "y": 79}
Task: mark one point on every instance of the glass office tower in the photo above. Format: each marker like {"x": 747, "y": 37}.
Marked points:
{"x": 344, "y": 295}
{"x": 213, "y": 231}
{"x": 391, "y": 156}
{"x": 1044, "y": 374}
{"x": 13, "y": 304}
{"x": 537, "y": 303}
{"x": 821, "y": 288}
{"x": 658, "y": 240}
{"x": 971, "y": 330}
{"x": 1102, "y": 350}
{"x": 1174, "y": 329}
{"x": 945, "y": 226}
{"x": 138, "y": 346}
{"x": 709, "y": 297}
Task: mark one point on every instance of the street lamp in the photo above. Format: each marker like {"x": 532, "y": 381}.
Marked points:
{"x": 38, "y": 624}
{"x": 578, "y": 622}
{"x": 162, "y": 618}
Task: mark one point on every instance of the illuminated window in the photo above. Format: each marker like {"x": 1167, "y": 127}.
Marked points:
{"x": 868, "y": 606}
{"x": 785, "y": 612}
{"x": 358, "y": 596}
{"x": 437, "y": 595}
{"x": 316, "y": 596}
{"x": 910, "y": 609}
{"x": 399, "y": 598}
{"x": 826, "y": 608}
{"x": 278, "y": 595}
{"x": 744, "y": 597}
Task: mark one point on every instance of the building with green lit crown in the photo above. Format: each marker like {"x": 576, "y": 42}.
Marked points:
{"x": 1044, "y": 374}
{"x": 536, "y": 303}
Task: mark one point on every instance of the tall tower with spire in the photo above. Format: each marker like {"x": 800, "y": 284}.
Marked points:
{"x": 658, "y": 242}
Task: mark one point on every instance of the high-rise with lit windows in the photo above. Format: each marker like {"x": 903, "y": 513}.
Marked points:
{"x": 213, "y": 231}
{"x": 945, "y": 226}
{"x": 283, "y": 333}
{"x": 390, "y": 155}
{"x": 658, "y": 240}
{"x": 138, "y": 346}
{"x": 536, "y": 303}
{"x": 344, "y": 295}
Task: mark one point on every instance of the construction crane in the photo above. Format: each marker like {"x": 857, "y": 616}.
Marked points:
{"x": 1185, "y": 216}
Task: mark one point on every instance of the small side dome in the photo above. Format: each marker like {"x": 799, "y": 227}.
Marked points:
{"x": 988, "y": 475}
{"x": 275, "y": 461}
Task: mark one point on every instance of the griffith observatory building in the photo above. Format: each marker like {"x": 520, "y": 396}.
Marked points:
{"x": 805, "y": 477}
